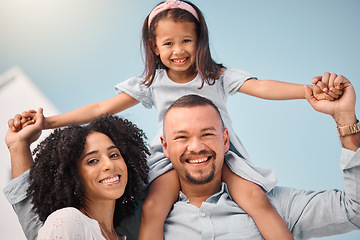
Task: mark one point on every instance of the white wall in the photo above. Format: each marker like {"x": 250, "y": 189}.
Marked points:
{"x": 17, "y": 93}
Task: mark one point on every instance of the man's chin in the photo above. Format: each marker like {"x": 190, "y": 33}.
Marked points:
{"x": 200, "y": 180}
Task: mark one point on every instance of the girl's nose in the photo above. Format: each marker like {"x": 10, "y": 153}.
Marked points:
{"x": 177, "y": 49}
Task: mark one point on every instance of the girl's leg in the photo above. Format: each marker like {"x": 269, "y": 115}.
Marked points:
{"x": 163, "y": 192}
{"x": 253, "y": 200}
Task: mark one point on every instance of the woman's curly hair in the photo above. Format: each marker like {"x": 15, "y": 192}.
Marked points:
{"x": 54, "y": 179}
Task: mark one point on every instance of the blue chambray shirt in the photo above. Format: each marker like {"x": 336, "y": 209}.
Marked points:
{"x": 308, "y": 214}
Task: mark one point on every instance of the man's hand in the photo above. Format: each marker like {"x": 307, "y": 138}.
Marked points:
{"x": 25, "y": 133}
{"x": 341, "y": 109}
{"x": 345, "y": 103}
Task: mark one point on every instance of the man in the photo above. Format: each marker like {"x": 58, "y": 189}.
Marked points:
{"x": 195, "y": 141}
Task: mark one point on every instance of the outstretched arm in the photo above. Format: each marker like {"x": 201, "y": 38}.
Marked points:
{"x": 81, "y": 115}
{"x": 277, "y": 90}
{"x": 19, "y": 142}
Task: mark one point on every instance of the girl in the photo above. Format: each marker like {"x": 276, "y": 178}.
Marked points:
{"x": 85, "y": 179}
{"x": 178, "y": 62}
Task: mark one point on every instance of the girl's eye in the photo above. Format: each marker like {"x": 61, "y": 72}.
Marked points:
{"x": 168, "y": 44}
{"x": 186, "y": 40}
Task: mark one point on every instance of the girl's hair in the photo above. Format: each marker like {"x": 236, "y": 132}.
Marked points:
{"x": 204, "y": 64}
{"x": 54, "y": 179}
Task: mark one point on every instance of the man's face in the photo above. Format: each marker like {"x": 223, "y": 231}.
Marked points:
{"x": 195, "y": 142}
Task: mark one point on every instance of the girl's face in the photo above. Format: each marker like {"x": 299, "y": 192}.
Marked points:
{"x": 175, "y": 43}
{"x": 102, "y": 168}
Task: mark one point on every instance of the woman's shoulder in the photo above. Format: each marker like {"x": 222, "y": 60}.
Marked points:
{"x": 63, "y": 223}
{"x": 66, "y": 217}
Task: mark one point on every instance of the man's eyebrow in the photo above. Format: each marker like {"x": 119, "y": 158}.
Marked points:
{"x": 208, "y": 128}
{"x": 201, "y": 130}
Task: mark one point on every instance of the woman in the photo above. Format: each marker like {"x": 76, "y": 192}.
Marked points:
{"x": 86, "y": 179}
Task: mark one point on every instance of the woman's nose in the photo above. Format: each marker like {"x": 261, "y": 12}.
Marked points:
{"x": 108, "y": 164}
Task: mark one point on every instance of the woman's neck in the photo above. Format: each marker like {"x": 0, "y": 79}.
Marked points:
{"x": 103, "y": 213}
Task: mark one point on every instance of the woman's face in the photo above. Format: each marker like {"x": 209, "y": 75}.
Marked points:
{"x": 102, "y": 168}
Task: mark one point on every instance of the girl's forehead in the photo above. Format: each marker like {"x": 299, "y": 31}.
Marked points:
{"x": 172, "y": 26}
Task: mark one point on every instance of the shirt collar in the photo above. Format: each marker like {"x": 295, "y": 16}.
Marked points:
{"x": 224, "y": 192}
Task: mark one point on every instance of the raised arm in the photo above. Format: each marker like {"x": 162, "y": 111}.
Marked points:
{"x": 19, "y": 142}
{"x": 342, "y": 110}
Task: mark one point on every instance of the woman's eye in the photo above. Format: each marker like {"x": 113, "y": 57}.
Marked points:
{"x": 92, "y": 161}
{"x": 114, "y": 155}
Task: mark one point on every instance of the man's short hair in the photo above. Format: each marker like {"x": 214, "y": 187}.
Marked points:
{"x": 193, "y": 100}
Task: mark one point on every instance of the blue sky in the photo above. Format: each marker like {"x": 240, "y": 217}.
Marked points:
{"x": 76, "y": 51}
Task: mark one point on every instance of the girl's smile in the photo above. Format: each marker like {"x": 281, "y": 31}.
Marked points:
{"x": 176, "y": 44}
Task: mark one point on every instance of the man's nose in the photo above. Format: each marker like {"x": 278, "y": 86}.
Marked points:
{"x": 195, "y": 145}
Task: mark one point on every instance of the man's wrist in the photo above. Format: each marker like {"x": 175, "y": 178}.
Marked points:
{"x": 349, "y": 129}
{"x": 345, "y": 118}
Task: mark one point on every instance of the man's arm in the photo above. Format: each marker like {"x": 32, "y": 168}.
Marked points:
{"x": 342, "y": 110}
{"x": 322, "y": 213}
{"x": 18, "y": 144}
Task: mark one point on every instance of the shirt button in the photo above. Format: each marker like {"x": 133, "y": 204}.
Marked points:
{"x": 203, "y": 214}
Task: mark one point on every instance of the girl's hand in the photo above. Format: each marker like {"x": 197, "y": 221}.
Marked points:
{"x": 331, "y": 86}
{"x": 20, "y": 121}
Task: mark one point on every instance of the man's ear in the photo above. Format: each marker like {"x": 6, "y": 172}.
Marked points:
{"x": 165, "y": 147}
{"x": 226, "y": 140}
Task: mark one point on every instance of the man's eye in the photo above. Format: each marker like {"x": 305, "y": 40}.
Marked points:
{"x": 208, "y": 134}
{"x": 180, "y": 137}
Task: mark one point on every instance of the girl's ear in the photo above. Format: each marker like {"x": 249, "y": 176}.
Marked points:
{"x": 154, "y": 48}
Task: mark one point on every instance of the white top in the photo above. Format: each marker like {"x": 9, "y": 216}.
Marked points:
{"x": 69, "y": 223}
{"x": 163, "y": 92}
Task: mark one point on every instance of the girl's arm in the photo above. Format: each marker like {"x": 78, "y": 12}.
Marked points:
{"x": 277, "y": 90}
{"x": 87, "y": 113}
{"x": 272, "y": 90}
